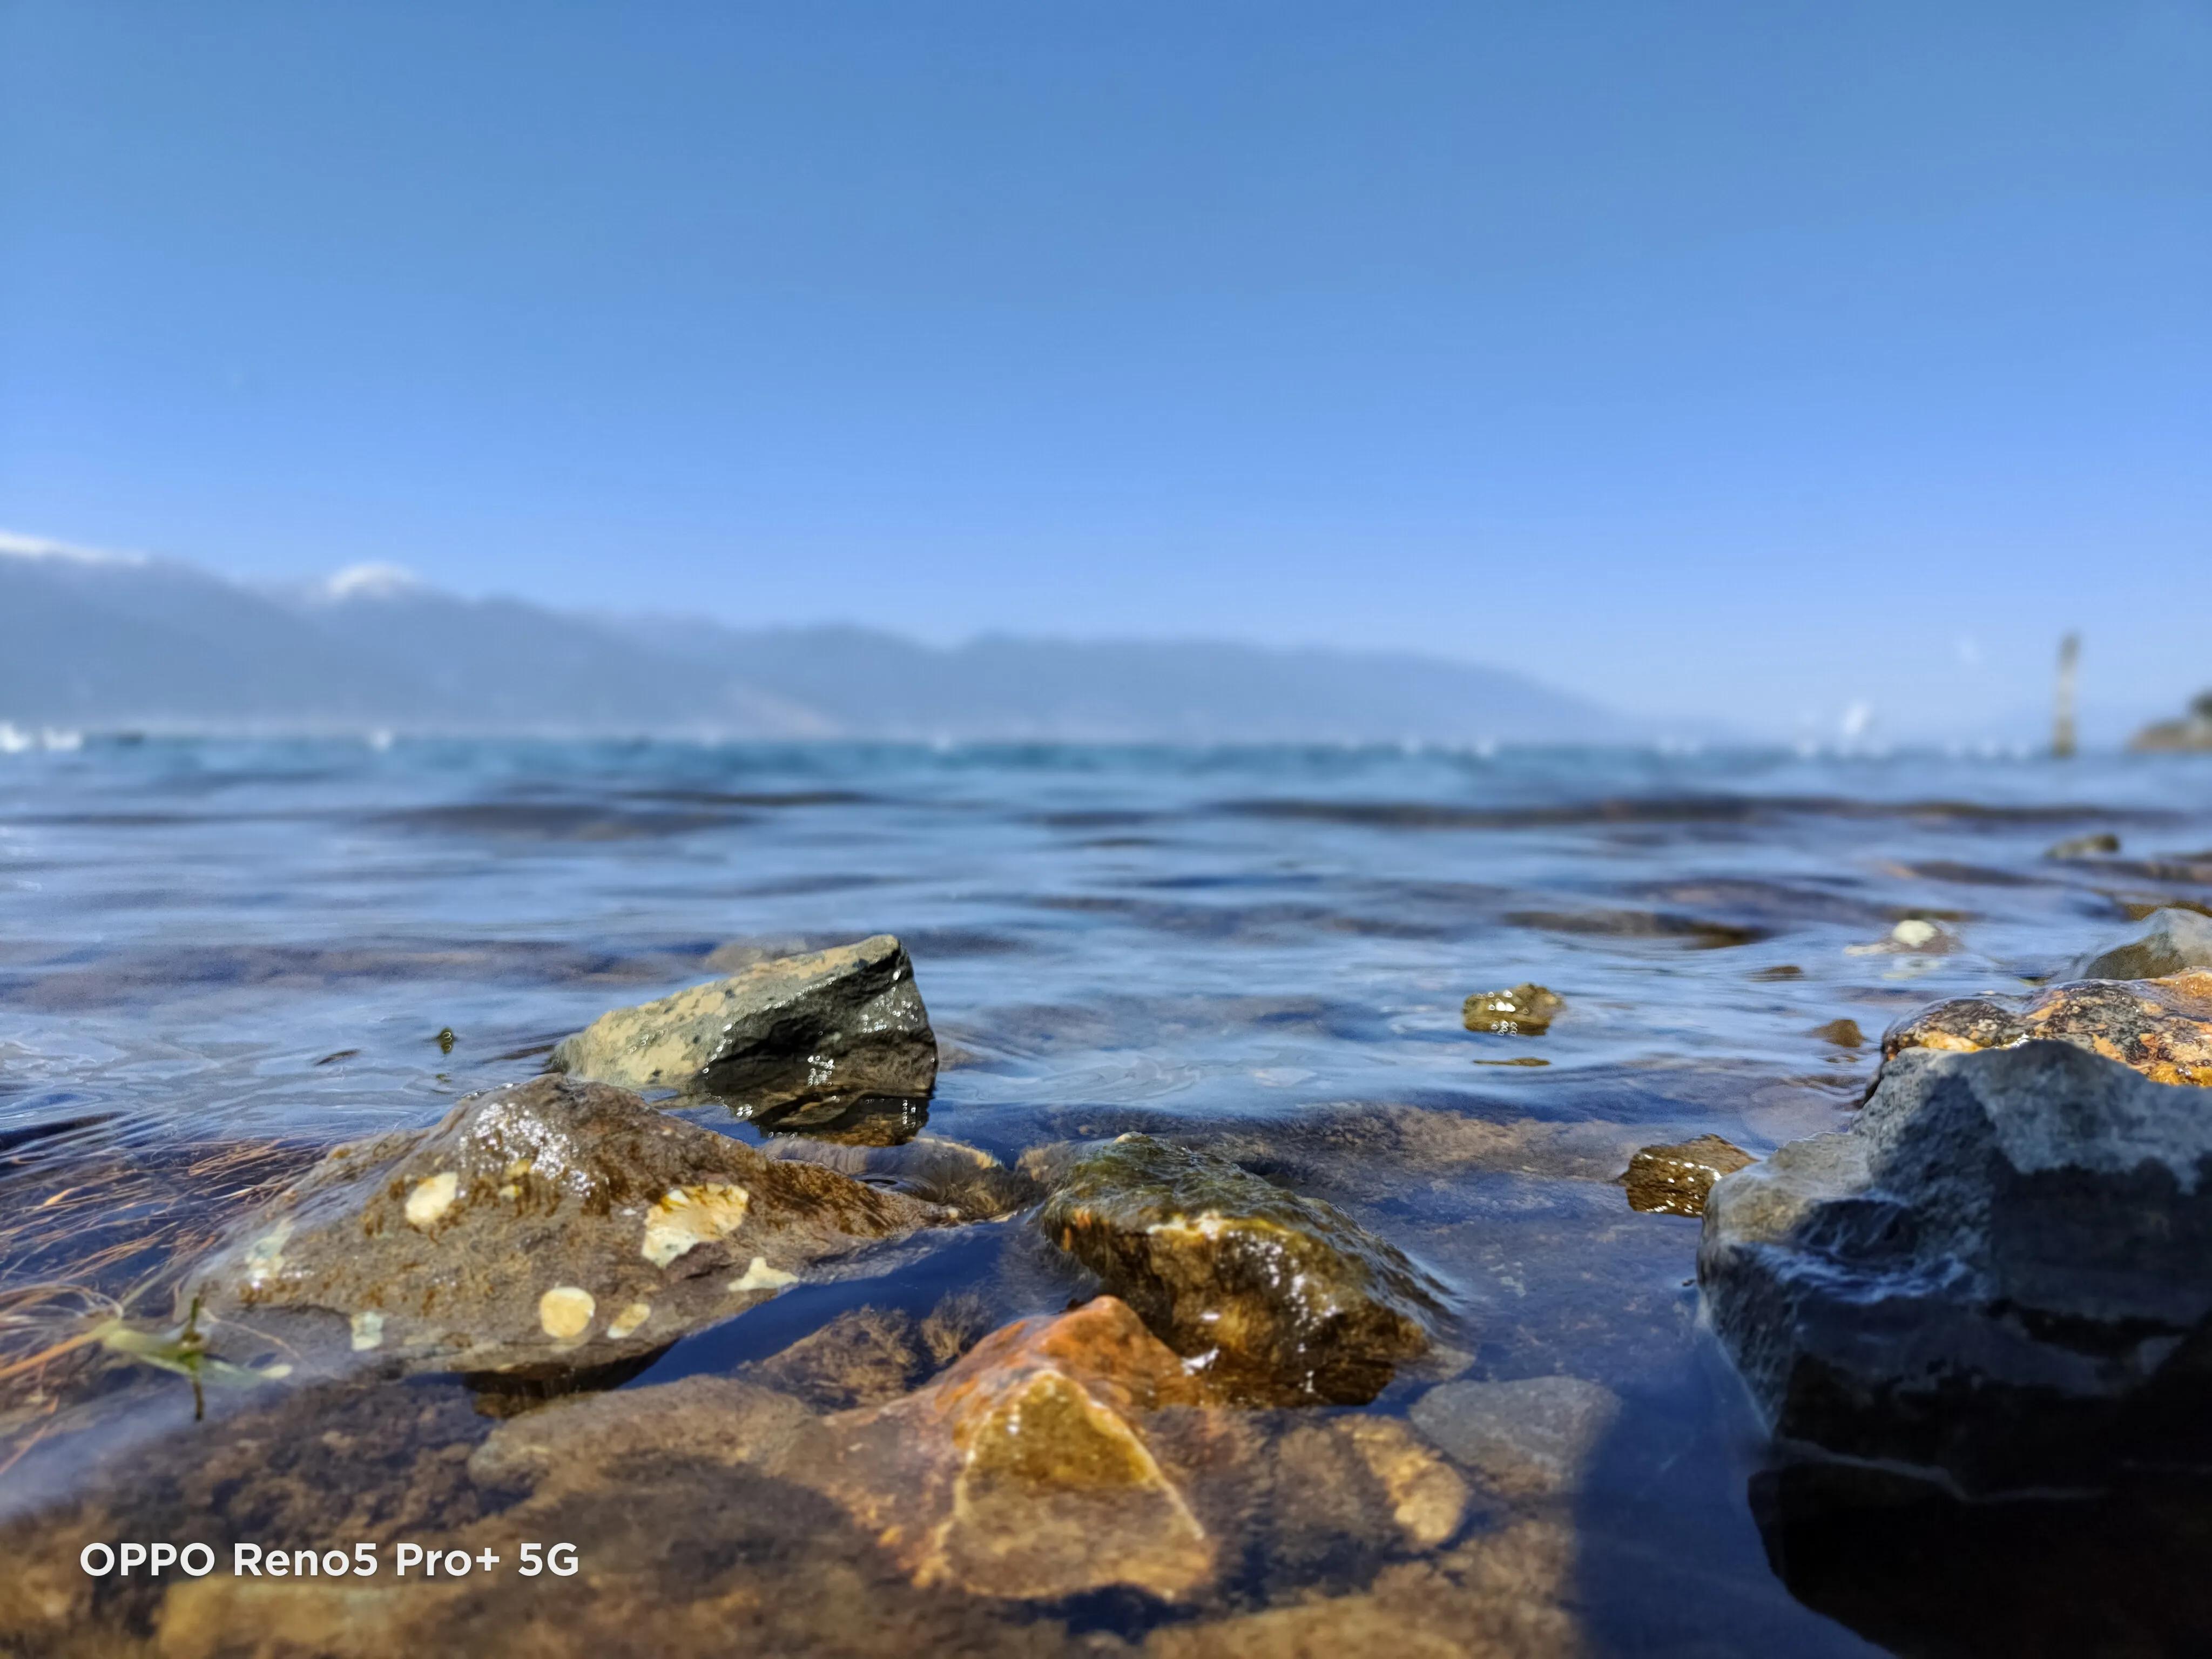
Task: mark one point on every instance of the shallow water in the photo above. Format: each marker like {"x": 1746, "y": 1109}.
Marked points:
{"x": 213, "y": 944}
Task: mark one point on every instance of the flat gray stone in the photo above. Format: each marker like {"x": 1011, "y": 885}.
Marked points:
{"x": 2168, "y": 942}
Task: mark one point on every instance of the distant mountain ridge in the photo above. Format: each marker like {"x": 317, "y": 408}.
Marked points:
{"x": 105, "y": 641}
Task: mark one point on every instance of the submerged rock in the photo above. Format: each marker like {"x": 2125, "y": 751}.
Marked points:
{"x": 871, "y": 1355}
{"x": 543, "y": 1228}
{"x": 2003, "y": 1270}
{"x": 2171, "y": 941}
{"x": 2160, "y": 1027}
{"x": 1521, "y": 1011}
{"x": 1529, "y": 1438}
{"x": 964, "y": 1179}
{"x": 1278, "y": 1298}
{"x": 1844, "y": 1033}
{"x": 832, "y": 1026}
{"x": 1674, "y": 1180}
{"x": 1029, "y": 1469}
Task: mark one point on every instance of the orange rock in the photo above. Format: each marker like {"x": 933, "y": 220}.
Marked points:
{"x": 2160, "y": 1027}
{"x": 1025, "y": 1470}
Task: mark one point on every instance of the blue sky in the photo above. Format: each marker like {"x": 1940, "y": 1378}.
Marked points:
{"x": 1756, "y": 359}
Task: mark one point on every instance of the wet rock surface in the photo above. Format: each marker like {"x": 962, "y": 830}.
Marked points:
{"x": 826, "y": 1029}
{"x": 1277, "y": 1297}
{"x": 2171, "y": 941}
{"x": 2003, "y": 1270}
{"x": 2160, "y": 1027}
{"x": 1032, "y": 1468}
{"x": 964, "y": 1180}
{"x": 871, "y": 1355}
{"x": 545, "y": 1228}
{"x": 1673, "y": 1180}
{"x": 1520, "y": 1010}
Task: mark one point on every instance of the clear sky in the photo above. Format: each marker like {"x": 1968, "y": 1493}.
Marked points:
{"x": 1753, "y": 358}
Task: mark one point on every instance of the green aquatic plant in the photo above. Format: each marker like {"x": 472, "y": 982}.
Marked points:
{"x": 184, "y": 1351}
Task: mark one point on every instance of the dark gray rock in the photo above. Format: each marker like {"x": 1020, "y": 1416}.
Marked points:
{"x": 1279, "y": 1297}
{"x": 541, "y": 1230}
{"x": 2003, "y": 1270}
{"x": 2169, "y": 942}
{"x": 829, "y": 1026}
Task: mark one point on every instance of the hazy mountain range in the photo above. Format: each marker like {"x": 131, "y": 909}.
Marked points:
{"x": 104, "y": 641}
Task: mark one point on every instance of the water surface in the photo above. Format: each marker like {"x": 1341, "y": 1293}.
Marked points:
{"x": 221, "y": 957}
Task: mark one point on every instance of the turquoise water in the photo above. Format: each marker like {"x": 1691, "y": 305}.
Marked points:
{"x": 1263, "y": 950}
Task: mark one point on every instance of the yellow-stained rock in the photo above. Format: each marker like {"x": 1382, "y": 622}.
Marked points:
{"x": 1025, "y": 1470}
{"x": 2160, "y": 1027}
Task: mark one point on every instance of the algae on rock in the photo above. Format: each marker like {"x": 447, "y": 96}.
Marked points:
{"x": 542, "y": 1229}
{"x": 2160, "y": 1027}
{"x": 1281, "y": 1298}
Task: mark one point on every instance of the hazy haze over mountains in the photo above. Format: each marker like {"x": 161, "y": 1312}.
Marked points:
{"x": 105, "y": 641}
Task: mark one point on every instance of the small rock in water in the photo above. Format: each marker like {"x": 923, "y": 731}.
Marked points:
{"x": 1674, "y": 1180}
{"x": 541, "y": 1228}
{"x": 835, "y": 1025}
{"x": 1844, "y": 1033}
{"x": 2002, "y": 1270}
{"x": 1914, "y": 936}
{"x": 2171, "y": 941}
{"x": 2084, "y": 846}
{"x": 1530, "y": 1439}
{"x": 2160, "y": 1027}
{"x": 1281, "y": 1298}
{"x": 1523, "y": 1010}
{"x": 1780, "y": 971}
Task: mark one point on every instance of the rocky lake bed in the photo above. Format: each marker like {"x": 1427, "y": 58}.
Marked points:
{"x": 1077, "y": 1201}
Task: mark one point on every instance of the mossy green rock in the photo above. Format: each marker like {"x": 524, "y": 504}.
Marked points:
{"x": 1278, "y": 1298}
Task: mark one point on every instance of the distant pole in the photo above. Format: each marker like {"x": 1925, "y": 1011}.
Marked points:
{"x": 2062, "y": 725}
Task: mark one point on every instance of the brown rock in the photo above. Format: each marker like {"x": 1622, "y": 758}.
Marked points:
{"x": 871, "y": 1355}
{"x": 1026, "y": 1470}
{"x": 1674, "y": 1180}
{"x": 575, "y": 1443}
{"x": 2160, "y": 1027}
{"x": 1505, "y": 1595}
{"x": 1521, "y": 1011}
{"x": 1281, "y": 1298}
{"x": 829, "y": 1027}
{"x": 1844, "y": 1033}
{"x": 540, "y": 1230}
